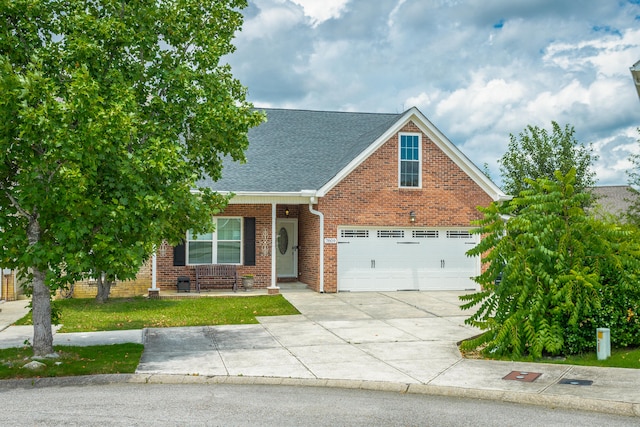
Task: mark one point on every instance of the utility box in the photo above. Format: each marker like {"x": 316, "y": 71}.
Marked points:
{"x": 603, "y": 336}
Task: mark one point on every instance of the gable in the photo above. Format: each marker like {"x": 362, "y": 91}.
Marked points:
{"x": 416, "y": 118}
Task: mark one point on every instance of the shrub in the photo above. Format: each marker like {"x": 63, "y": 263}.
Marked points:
{"x": 556, "y": 267}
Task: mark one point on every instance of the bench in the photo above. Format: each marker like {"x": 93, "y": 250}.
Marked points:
{"x": 216, "y": 276}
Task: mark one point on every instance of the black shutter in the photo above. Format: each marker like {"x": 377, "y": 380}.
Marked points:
{"x": 179, "y": 255}
{"x": 249, "y": 241}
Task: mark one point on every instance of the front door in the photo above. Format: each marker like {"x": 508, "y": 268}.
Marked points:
{"x": 287, "y": 247}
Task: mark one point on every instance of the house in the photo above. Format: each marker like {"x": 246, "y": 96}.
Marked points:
{"x": 343, "y": 201}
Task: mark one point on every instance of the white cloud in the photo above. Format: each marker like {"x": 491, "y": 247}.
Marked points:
{"x": 273, "y": 19}
{"x": 322, "y": 10}
{"x": 611, "y": 55}
{"x": 480, "y": 105}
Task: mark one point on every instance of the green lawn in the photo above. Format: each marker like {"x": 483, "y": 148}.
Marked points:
{"x": 620, "y": 358}
{"x": 101, "y": 359}
{"x": 85, "y": 315}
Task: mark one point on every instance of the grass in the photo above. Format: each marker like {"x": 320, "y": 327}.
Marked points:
{"x": 620, "y": 358}
{"x": 102, "y": 359}
{"x": 85, "y": 315}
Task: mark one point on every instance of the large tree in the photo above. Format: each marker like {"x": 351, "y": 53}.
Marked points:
{"x": 552, "y": 269}
{"x": 538, "y": 153}
{"x": 110, "y": 112}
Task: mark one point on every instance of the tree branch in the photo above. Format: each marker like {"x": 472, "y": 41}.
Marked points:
{"x": 15, "y": 203}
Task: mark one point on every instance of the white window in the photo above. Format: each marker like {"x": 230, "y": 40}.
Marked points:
{"x": 410, "y": 160}
{"x": 222, "y": 246}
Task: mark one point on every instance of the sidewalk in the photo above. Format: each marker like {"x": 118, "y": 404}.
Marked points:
{"x": 404, "y": 342}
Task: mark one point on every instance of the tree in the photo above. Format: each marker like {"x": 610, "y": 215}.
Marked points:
{"x": 110, "y": 112}
{"x": 538, "y": 154}
{"x": 556, "y": 265}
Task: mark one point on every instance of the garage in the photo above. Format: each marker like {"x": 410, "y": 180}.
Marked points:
{"x": 391, "y": 259}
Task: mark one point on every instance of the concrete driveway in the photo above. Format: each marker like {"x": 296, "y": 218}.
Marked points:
{"x": 405, "y": 337}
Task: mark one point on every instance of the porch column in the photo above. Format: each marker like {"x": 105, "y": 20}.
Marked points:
{"x": 273, "y": 289}
{"x": 154, "y": 292}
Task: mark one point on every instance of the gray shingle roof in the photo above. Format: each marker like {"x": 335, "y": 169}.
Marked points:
{"x": 301, "y": 150}
{"x": 614, "y": 199}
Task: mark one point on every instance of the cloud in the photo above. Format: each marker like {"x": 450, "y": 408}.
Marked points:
{"x": 320, "y": 11}
{"x": 479, "y": 69}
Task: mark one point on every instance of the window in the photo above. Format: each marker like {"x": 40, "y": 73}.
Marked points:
{"x": 354, "y": 233}
{"x": 397, "y": 234}
{"x": 222, "y": 246}
{"x": 410, "y": 160}
{"x": 425, "y": 234}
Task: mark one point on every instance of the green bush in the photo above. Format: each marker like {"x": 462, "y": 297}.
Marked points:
{"x": 560, "y": 271}
{"x": 619, "y": 311}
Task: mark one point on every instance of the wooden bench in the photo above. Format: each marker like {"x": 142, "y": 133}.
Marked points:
{"x": 216, "y": 276}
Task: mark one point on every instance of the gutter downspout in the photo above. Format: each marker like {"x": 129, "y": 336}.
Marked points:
{"x": 321, "y": 216}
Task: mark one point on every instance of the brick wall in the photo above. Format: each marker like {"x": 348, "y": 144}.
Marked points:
{"x": 9, "y": 290}
{"x": 309, "y": 248}
{"x": 168, "y": 274}
{"x": 369, "y": 196}
{"x": 122, "y": 288}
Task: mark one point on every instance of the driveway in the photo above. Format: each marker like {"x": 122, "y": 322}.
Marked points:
{"x": 407, "y": 337}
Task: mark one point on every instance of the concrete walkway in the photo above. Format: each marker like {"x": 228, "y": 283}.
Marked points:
{"x": 403, "y": 341}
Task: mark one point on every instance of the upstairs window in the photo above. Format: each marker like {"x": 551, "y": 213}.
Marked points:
{"x": 222, "y": 246}
{"x": 410, "y": 160}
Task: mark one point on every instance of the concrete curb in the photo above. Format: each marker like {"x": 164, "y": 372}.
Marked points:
{"x": 550, "y": 401}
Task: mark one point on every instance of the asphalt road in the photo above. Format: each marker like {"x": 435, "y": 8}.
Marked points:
{"x": 240, "y": 405}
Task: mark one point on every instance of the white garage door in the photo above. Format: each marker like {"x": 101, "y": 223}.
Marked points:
{"x": 405, "y": 259}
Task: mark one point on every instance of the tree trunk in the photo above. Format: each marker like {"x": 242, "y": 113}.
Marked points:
{"x": 41, "y": 313}
{"x": 104, "y": 288}
{"x": 41, "y": 299}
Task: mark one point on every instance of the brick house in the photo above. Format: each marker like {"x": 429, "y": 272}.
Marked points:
{"x": 356, "y": 202}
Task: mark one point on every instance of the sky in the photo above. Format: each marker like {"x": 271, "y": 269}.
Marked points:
{"x": 479, "y": 70}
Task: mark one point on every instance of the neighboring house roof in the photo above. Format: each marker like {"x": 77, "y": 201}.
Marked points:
{"x": 635, "y": 73}
{"x": 613, "y": 199}
{"x": 309, "y": 152}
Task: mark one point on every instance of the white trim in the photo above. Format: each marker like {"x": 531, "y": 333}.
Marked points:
{"x": 154, "y": 269}
{"x": 420, "y": 165}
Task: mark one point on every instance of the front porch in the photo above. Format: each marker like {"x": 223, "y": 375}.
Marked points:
{"x": 283, "y": 286}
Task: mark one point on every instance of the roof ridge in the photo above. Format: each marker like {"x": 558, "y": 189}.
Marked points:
{"x": 327, "y": 111}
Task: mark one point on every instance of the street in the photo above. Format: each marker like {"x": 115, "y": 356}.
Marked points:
{"x": 240, "y": 405}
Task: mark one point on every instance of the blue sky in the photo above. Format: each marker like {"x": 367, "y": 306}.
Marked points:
{"x": 480, "y": 70}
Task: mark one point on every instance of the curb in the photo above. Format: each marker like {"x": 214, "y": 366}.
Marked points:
{"x": 551, "y": 401}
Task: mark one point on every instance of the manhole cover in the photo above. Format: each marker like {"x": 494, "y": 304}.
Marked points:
{"x": 526, "y": 377}
{"x": 575, "y": 382}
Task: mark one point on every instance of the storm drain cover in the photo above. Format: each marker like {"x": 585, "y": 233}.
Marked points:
{"x": 575, "y": 382}
{"x": 527, "y": 377}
